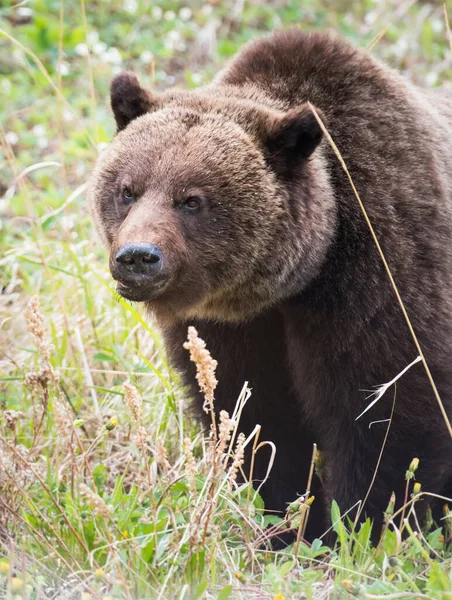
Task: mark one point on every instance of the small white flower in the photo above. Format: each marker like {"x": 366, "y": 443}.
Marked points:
{"x": 6, "y": 85}
{"x": 206, "y": 10}
{"x": 24, "y": 11}
{"x": 157, "y": 13}
{"x": 67, "y": 115}
{"x": 185, "y": 13}
{"x": 81, "y": 49}
{"x": 42, "y": 142}
{"x": 170, "y": 15}
{"x": 437, "y": 25}
{"x": 68, "y": 222}
{"x": 370, "y": 18}
{"x": 431, "y": 78}
{"x": 99, "y": 48}
{"x": 92, "y": 38}
{"x": 12, "y": 138}
{"x": 18, "y": 56}
{"x": 39, "y": 130}
{"x": 63, "y": 68}
{"x": 112, "y": 55}
{"x": 146, "y": 57}
{"x": 131, "y": 6}
{"x": 173, "y": 40}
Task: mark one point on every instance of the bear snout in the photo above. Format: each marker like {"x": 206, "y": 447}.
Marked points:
{"x": 137, "y": 268}
{"x": 139, "y": 259}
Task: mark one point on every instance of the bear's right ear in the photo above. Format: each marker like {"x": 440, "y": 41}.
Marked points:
{"x": 128, "y": 99}
{"x": 293, "y": 137}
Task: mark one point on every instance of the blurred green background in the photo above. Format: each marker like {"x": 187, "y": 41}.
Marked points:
{"x": 167, "y": 43}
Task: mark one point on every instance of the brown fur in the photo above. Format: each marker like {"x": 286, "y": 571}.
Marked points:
{"x": 278, "y": 270}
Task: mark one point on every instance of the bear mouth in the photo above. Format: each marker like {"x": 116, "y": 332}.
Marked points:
{"x": 136, "y": 293}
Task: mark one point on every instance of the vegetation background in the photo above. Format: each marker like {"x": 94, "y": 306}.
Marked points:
{"x": 107, "y": 490}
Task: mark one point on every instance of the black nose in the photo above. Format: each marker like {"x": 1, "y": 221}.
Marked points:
{"x": 140, "y": 258}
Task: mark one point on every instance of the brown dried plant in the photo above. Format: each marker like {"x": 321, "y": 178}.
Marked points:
{"x": 223, "y": 468}
{"x": 190, "y": 465}
{"x": 134, "y": 403}
{"x": 205, "y": 372}
{"x": 98, "y": 504}
{"x": 40, "y": 382}
{"x": 143, "y": 441}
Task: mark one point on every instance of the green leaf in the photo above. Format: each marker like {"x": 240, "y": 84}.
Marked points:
{"x": 225, "y": 592}
{"x": 271, "y": 520}
{"x": 336, "y": 517}
{"x": 286, "y": 567}
{"x": 104, "y": 357}
{"x": 100, "y": 475}
{"x": 200, "y": 590}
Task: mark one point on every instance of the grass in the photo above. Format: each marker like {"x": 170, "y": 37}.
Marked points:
{"x": 108, "y": 489}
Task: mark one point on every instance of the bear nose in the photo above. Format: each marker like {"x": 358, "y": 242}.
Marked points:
{"x": 140, "y": 258}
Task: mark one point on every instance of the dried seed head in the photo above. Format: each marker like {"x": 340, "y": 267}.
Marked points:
{"x": 35, "y": 323}
{"x": 141, "y": 441}
{"x": 190, "y": 465}
{"x": 205, "y": 367}
{"x": 225, "y": 428}
{"x": 238, "y": 458}
{"x": 133, "y": 401}
{"x": 98, "y": 504}
{"x": 61, "y": 418}
{"x": 134, "y": 404}
{"x": 40, "y": 381}
{"x": 160, "y": 455}
{"x": 11, "y": 418}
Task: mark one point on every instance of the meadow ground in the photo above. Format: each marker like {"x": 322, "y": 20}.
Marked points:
{"x": 107, "y": 488}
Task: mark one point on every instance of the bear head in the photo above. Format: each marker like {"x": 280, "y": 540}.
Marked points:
{"x": 212, "y": 204}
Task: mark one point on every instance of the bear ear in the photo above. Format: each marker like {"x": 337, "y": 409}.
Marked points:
{"x": 128, "y": 99}
{"x": 293, "y": 137}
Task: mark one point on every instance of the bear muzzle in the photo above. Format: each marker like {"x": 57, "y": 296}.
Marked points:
{"x": 138, "y": 270}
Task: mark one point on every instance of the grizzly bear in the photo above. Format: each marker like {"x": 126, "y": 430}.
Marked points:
{"x": 227, "y": 209}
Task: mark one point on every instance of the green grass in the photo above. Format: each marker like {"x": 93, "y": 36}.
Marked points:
{"x": 164, "y": 519}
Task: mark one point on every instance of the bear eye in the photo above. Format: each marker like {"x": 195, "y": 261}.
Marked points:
{"x": 128, "y": 196}
{"x": 192, "y": 203}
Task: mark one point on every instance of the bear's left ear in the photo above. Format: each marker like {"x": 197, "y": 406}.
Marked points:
{"x": 129, "y": 100}
{"x": 293, "y": 137}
